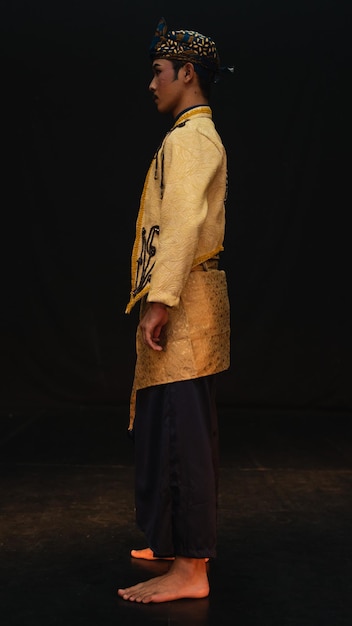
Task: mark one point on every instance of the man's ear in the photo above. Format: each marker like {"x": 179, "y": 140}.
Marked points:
{"x": 188, "y": 70}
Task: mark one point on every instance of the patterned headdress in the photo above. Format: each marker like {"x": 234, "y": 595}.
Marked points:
{"x": 185, "y": 45}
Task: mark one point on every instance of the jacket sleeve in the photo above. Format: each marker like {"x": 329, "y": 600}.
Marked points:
{"x": 191, "y": 162}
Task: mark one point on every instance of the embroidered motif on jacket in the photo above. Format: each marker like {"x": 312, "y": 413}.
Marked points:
{"x": 145, "y": 261}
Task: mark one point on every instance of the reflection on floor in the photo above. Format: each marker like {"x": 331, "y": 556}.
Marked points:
{"x": 284, "y": 523}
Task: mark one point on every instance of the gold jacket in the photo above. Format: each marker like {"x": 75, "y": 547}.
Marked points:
{"x": 180, "y": 225}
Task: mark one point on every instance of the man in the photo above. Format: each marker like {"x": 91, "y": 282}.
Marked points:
{"x": 183, "y": 337}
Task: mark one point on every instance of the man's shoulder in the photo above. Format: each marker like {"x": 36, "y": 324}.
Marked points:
{"x": 193, "y": 126}
{"x": 198, "y": 131}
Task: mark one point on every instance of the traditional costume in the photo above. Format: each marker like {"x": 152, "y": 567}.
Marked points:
{"x": 179, "y": 237}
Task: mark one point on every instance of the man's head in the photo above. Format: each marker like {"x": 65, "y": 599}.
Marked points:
{"x": 187, "y": 46}
{"x": 175, "y": 88}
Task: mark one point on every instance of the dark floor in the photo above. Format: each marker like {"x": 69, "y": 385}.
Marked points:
{"x": 284, "y": 531}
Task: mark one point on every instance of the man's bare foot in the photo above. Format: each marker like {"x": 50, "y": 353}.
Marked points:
{"x": 186, "y": 578}
{"x": 148, "y": 555}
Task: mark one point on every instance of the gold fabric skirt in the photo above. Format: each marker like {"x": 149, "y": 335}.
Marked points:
{"x": 196, "y": 339}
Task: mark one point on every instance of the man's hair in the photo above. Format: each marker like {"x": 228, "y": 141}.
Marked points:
{"x": 205, "y": 77}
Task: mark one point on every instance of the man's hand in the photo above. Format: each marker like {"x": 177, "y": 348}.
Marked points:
{"x": 152, "y": 322}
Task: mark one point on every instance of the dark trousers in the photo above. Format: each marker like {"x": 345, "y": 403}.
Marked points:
{"x": 176, "y": 467}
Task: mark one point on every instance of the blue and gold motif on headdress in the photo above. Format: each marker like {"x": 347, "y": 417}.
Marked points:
{"x": 185, "y": 45}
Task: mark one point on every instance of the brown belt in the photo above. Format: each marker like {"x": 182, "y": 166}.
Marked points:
{"x": 210, "y": 264}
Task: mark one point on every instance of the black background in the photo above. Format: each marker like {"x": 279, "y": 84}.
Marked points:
{"x": 78, "y": 132}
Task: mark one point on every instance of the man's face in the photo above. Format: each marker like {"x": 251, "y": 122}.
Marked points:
{"x": 166, "y": 89}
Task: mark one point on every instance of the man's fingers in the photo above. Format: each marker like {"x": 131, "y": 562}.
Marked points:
{"x": 152, "y": 342}
{"x": 154, "y": 346}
